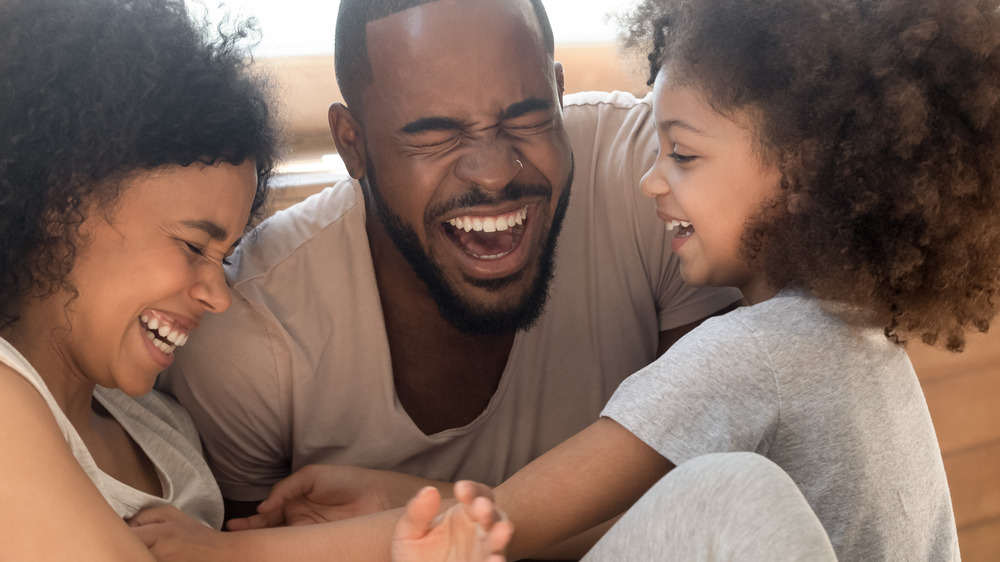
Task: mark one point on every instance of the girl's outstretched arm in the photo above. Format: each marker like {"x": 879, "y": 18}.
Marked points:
{"x": 595, "y": 475}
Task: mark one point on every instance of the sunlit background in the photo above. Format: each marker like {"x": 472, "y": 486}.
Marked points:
{"x": 294, "y": 28}
{"x": 296, "y": 49}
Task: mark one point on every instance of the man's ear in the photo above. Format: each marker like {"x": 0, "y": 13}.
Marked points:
{"x": 349, "y": 138}
{"x": 560, "y": 80}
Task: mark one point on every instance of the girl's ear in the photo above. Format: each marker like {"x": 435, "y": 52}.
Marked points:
{"x": 795, "y": 172}
{"x": 349, "y": 138}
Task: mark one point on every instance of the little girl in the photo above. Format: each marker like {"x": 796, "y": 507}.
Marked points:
{"x": 837, "y": 161}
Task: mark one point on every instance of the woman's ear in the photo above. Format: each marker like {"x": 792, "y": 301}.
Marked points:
{"x": 349, "y": 138}
{"x": 560, "y": 80}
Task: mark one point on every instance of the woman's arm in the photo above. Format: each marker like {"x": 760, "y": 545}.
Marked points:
{"x": 49, "y": 508}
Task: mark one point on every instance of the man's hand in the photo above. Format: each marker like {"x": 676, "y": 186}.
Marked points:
{"x": 323, "y": 493}
{"x": 471, "y": 531}
{"x": 172, "y": 535}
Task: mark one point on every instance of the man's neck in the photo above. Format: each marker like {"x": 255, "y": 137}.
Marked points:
{"x": 444, "y": 378}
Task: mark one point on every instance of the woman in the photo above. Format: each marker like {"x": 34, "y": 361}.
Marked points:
{"x": 135, "y": 151}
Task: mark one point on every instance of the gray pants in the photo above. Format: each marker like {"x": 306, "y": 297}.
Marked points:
{"x": 726, "y": 506}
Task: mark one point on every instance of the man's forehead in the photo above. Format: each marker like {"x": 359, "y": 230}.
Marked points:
{"x": 442, "y": 29}
{"x": 453, "y": 53}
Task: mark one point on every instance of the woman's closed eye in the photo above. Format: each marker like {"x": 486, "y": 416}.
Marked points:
{"x": 201, "y": 252}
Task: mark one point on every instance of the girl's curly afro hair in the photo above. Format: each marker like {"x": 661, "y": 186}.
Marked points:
{"x": 884, "y": 118}
{"x": 93, "y": 91}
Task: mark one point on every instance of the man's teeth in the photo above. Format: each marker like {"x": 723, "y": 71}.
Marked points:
{"x": 490, "y": 224}
{"x": 154, "y": 327}
{"x": 671, "y": 225}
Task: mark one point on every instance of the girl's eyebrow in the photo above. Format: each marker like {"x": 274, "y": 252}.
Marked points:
{"x": 671, "y": 123}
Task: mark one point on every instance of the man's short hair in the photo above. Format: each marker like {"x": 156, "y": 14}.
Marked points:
{"x": 353, "y": 68}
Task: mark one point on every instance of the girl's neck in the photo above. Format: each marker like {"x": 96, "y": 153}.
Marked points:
{"x": 757, "y": 290}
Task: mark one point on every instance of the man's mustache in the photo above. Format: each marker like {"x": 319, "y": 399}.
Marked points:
{"x": 477, "y": 196}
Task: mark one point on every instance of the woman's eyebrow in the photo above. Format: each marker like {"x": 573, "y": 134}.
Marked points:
{"x": 214, "y": 231}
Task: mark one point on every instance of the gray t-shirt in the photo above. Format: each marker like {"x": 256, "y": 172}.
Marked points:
{"x": 838, "y": 407}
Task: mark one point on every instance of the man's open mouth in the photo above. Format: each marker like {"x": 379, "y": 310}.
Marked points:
{"x": 487, "y": 237}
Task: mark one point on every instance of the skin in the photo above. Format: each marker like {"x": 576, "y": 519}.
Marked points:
{"x": 157, "y": 251}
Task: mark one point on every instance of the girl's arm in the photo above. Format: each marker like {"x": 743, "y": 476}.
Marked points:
{"x": 49, "y": 508}
{"x": 583, "y": 482}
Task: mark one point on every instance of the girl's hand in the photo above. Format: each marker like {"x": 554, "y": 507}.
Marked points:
{"x": 471, "y": 531}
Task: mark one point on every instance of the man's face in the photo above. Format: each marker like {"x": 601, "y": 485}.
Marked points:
{"x": 463, "y": 131}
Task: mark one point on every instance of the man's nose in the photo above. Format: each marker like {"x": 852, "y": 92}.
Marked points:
{"x": 489, "y": 163}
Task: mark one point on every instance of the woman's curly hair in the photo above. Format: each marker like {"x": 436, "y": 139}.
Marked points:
{"x": 93, "y": 91}
{"x": 884, "y": 119}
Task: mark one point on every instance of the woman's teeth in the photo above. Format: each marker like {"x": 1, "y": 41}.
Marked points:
{"x": 165, "y": 337}
{"x": 490, "y": 224}
{"x": 671, "y": 225}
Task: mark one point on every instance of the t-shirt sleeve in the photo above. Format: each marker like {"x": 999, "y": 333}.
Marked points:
{"x": 713, "y": 391}
{"x": 230, "y": 386}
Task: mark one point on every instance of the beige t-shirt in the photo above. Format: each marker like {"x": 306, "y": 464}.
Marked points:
{"x": 298, "y": 370}
{"x": 163, "y": 431}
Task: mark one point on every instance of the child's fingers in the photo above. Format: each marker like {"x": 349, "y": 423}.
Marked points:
{"x": 498, "y": 537}
{"x": 419, "y": 513}
{"x": 466, "y": 491}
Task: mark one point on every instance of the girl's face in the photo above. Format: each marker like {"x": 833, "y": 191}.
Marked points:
{"x": 707, "y": 182}
{"x": 146, "y": 272}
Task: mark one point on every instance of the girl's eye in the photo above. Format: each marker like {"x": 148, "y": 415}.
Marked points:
{"x": 225, "y": 261}
{"x": 680, "y": 158}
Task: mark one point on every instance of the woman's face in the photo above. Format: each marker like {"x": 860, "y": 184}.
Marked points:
{"x": 147, "y": 270}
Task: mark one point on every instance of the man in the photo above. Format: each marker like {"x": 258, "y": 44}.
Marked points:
{"x": 420, "y": 318}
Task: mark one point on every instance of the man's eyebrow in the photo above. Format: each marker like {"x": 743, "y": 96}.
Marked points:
{"x": 426, "y": 124}
{"x": 668, "y": 124}
{"x": 529, "y": 105}
{"x": 215, "y": 231}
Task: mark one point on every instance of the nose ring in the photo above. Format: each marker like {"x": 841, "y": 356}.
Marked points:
{"x": 519, "y": 163}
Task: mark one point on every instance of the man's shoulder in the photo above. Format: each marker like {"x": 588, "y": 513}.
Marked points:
{"x": 313, "y": 225}
{"x": 580, "y": 105}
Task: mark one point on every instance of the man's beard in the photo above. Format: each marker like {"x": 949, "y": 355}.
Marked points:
{"x": 470, "y": 317}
